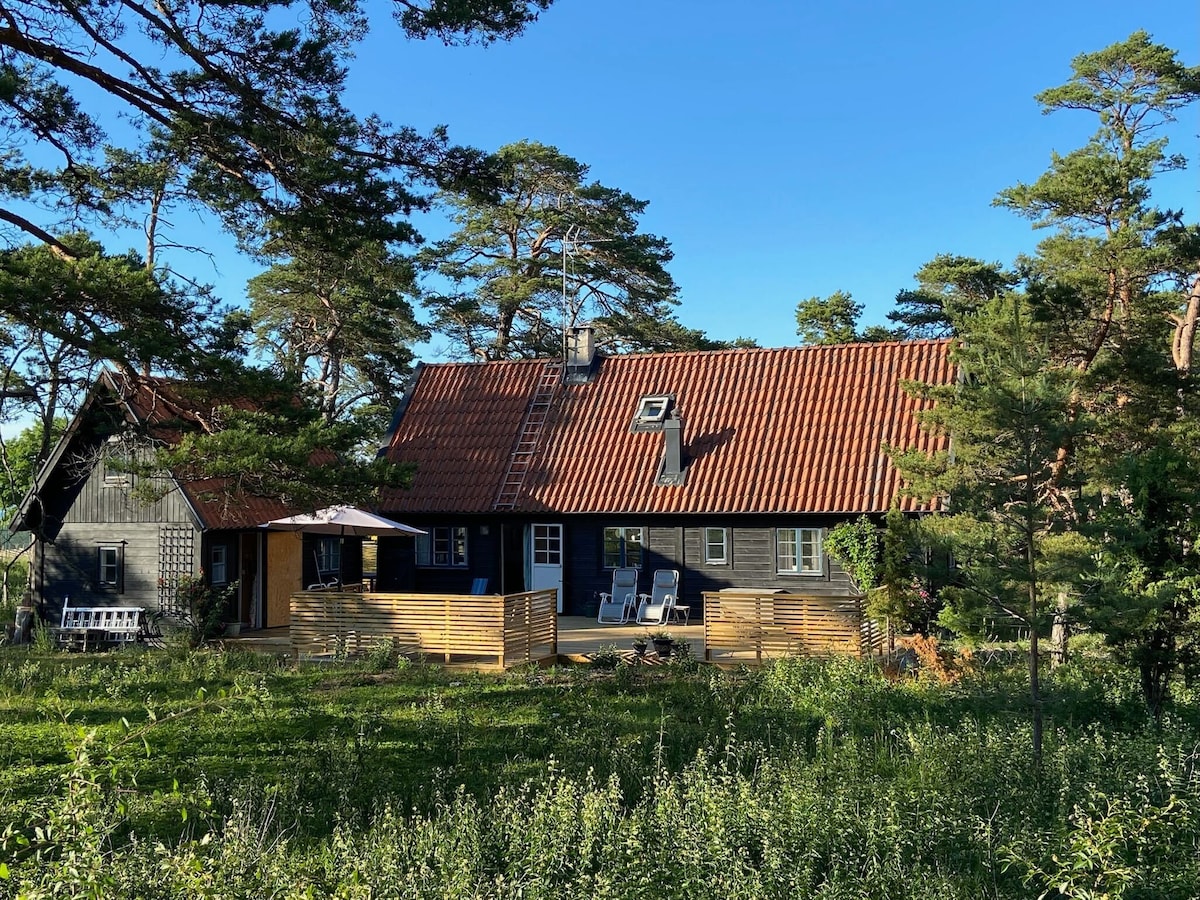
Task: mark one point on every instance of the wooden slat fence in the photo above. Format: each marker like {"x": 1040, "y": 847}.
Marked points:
{"x": 490, "y": 631}
{"x": 750, "y": 626}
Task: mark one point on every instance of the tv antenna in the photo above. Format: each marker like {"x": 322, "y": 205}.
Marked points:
{"x": 571, "y": 241}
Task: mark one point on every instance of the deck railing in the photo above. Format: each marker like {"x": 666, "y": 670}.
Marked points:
{"x": 490, "y": 631}
{"x": 750, "y": 626}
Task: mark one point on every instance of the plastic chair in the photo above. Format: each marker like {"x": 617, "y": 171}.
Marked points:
{"x": 656, "y": 606}
{"x": 619, "y": 603}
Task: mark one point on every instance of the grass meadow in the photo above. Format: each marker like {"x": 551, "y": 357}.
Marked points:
{"x": 219, "y": 774}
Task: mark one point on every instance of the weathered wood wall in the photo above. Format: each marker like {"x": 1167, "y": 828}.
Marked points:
{"x": 492, "y": 631}
{"x": 752, "y": 626}
{"x": 113, "y": 503}
{"x": 106, "y": 514}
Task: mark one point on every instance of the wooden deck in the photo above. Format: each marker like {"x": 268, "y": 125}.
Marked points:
{"x": 738, "y": 628}
{"x": 579, "y": 639}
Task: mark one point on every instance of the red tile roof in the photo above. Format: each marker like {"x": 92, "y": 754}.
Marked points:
{"x": 793, "y": 430}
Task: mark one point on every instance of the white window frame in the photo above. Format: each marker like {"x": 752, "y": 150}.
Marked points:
{"x": 218, "y": 572}
{"x": 618, "y": 532}
{"x": 113, "y": 564}
{"x": 799, "y": 551}
{"x": 547, "y": 545}
{"x": 709, "y": 544}
{"x": 329, "y": 556}
{"x": 116, "y": 463}
{"x": 444, "y": 547}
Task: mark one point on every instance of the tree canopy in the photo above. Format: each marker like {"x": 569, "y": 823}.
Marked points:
{"x": 1108, "y": 308}
{"x": 496, "y": 286}
{"x": 234, "y": 111}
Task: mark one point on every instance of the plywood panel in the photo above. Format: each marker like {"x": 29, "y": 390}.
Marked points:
{"x": 284, "y": 566}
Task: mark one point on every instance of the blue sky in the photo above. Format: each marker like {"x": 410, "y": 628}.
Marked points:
{"x": 787, "y": 150}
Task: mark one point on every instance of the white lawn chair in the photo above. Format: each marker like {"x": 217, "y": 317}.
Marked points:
{"x": 619, "y": 604}
{"x": 656, "y": 606}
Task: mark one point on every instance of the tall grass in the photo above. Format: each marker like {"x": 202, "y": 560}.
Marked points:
{"x": 808, "y": 779}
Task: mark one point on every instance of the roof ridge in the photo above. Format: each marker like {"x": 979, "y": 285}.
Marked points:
{"x": 723, "y": 351}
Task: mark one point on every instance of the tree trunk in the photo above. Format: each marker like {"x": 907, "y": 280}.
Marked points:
{"x": 1035, "y": 692}
{"x": 1183, "y": 343}
{"x": 1060, "y": 634}
{"x": 1156, "y": 665}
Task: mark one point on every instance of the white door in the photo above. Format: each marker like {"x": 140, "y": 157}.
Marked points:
{"x": 546, "y": 555}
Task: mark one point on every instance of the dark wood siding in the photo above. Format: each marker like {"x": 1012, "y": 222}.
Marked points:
{"x": 397, "y": 569}
{"x": 98, "y": 501}
{"x": 671, "y": 543}
{"x": 72, "y": 567}
{"x": 676, "y": 544}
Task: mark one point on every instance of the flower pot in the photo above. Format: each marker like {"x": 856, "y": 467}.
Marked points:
{"x": 233, "y": 629}
{"x": 663, "y": 647}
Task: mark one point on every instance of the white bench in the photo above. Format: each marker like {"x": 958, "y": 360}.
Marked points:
{"x": 85, "y": 627}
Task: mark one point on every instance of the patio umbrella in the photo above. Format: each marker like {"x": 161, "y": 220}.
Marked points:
{"x": 341, "y": 521}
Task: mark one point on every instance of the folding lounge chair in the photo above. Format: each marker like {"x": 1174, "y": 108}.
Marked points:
{"x": 620, "y": 603}
{"x": 656, "y": 606}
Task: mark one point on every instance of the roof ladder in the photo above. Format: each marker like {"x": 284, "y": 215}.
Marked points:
{"x": 527, "y": 439}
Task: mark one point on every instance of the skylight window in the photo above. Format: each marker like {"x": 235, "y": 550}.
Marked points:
{"x": 651, "y": 412}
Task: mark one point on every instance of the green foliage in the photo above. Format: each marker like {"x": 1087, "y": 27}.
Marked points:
{"x": 495, "y": 286}
{"x": 1010, "y": 509}
{"x": 285, "y": 452}
{"x": 341, "y": 323}
{"x": 834, "y": 320}
{"x": 382, "y": 655}
{"x": 1116, "y": 846}
{"x": 828, "y": 320}
{"x": 949, "y": 288}
{"x": 607, "y": 657}
{"x": 208, "y": 608}
{"x": 23, "y": 457}
{"x": 1112, "y": 283}
{"x": 808, "y": 778}
{"x": 856, "y": 545}
{"x": 233, "y": 113}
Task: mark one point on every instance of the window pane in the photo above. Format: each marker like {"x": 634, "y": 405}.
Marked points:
{"x": 785, "y": 541}
{"x": 109, "y": 566}
{"x": 633, "y": 547}
{"x": 715, "y": 546}
{"x": 613, "y": 538}
{"x": 219, "y": 567}
{"x": 612, "y": 548}
{"x": 547, "y": 545}
{"x": 441, "y": 546}
{"x": 329, "y": 555}
{"x": 810, "y": 550}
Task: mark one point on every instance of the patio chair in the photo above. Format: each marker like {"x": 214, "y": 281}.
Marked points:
{"x": 656, "y": 606}
{"x": 619, "y": 604}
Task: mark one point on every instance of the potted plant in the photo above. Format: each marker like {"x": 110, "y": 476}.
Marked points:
{"x": 663, "y": 642}
{"x": 639, "y": 645}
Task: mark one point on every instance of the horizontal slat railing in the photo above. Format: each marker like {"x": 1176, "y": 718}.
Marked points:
{"x": 499, "y": 630}
{"x": 749, "y": 626}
